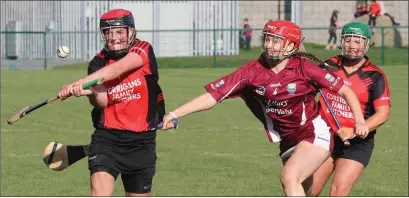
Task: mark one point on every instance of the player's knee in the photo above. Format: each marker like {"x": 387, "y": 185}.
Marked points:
{"x": 289, "y": 178}
{"x": 98, "y": 189}
{"x": 339, "y": 189}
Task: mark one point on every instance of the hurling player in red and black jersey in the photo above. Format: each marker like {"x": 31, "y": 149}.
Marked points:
{"x": 277, "y": 87}
{"x": 371, "y": 86}
{"x": 128, "y": 107}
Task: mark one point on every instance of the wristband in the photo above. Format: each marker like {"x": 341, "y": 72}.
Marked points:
{"x": 174, "y": 116}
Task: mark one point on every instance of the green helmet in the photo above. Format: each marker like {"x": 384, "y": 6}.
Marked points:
{"x": 356, "y": 29}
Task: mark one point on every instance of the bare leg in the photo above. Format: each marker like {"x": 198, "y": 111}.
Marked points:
{"x": 305, "y": 160}
{"x": 102, "y": 184}
{"x": 346, "y": 174}
{"x": 321, "y": 176}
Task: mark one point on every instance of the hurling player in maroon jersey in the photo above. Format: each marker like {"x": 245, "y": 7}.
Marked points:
{"x": 371, "y": 86}
{"x": 128, "y": 107}
{"x": 280, "y": 88}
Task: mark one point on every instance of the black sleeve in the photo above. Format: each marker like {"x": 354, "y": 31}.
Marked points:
{"x": 152, "y": 63}
{"x": 381, "y": 88}
{"x": 95, "y": 64}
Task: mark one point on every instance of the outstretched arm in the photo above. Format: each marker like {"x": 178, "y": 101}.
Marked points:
{"x": 200, "y": 103}
{"x": 228, "y": 86}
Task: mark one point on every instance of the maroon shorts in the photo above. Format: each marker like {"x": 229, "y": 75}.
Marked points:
{"x": 321, "y": 136}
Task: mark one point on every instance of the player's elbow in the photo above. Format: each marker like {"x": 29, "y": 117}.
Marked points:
{"x": 207, "y": 101}
{"x": 381, "y": 122}
{"x": 100, "y": 97}
{"x": 381, "y": 116}
{"x": 98, "y": 103}
{"x": 385, "y": 116}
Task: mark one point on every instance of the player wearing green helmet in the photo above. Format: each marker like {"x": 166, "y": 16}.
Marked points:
{"x": 355, "y": 32}
{"x": 371, "y": 86}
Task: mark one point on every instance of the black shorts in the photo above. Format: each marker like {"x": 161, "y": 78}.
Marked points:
{"x": 133, "y": 155}
{"x": 360, "y": 150}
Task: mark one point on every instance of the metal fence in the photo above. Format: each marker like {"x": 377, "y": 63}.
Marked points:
{"x": 35, "y": 50}
{"x": 388, "y": 40}
{"x": 42, "y": 26}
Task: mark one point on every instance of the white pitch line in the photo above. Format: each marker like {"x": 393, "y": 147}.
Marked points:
{"x": 13, "y": 155}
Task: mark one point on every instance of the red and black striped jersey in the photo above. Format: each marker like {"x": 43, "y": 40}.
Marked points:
{"x": 135, "y": 100}
{"x": 368, "y": 82}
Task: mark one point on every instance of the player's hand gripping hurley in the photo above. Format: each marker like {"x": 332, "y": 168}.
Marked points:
{"x": 26, "y": 110}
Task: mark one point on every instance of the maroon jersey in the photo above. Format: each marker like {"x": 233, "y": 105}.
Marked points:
{"x": 284, "y": 102}
{"x": 135, "y": 100}
{"x": 369, "y": 84}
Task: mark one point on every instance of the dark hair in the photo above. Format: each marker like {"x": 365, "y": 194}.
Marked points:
{"x": 317, "y": 60}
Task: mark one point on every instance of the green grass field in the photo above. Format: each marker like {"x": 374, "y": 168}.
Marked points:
{"x": 221, "y": 152}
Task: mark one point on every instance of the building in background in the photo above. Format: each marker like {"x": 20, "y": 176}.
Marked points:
{"x": 76, "y": 25}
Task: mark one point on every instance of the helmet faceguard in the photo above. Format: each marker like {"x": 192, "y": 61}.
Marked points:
{"x": 117, "y": 18}
{"x": 285, "y": 31}
{"x": 355, "y": 30}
